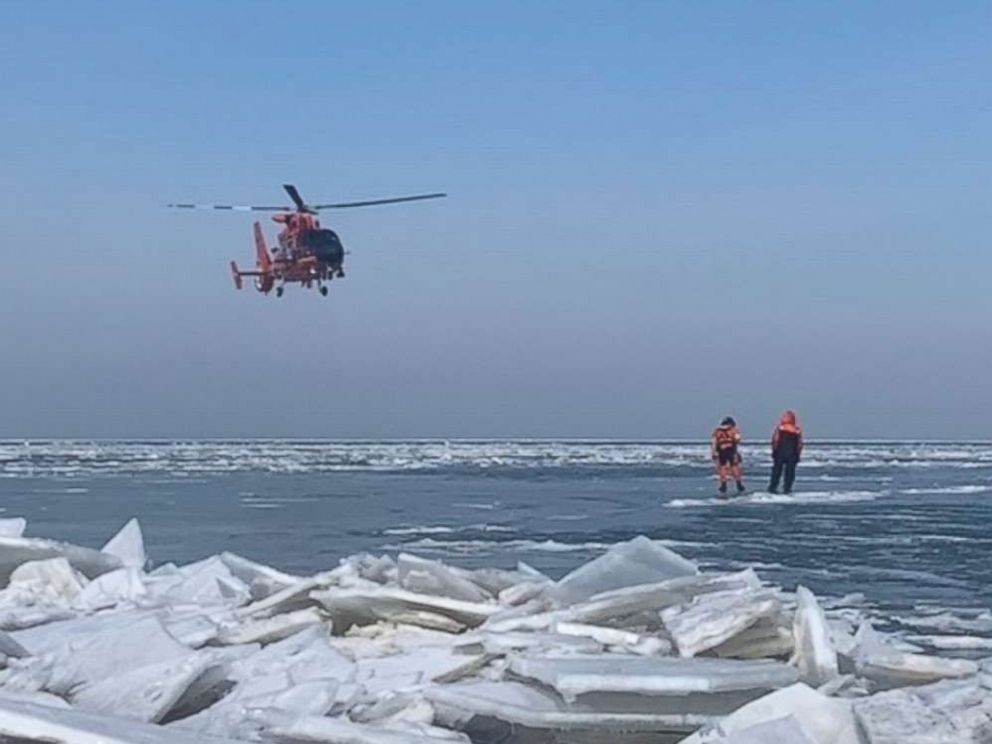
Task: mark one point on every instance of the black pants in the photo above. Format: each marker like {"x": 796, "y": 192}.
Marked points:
{"x": 789, "y": 467}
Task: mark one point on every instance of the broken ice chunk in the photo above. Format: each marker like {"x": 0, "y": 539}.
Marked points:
{"x": 888, "y": 667}
{"x": 573, "y": 676}
{"x": 951, "y": 712}
{"x": 639, "y": 561}
{"x": 263, "y": 580}
{"x": 13, "y": 526}
{"x": 206, "y": 582}
{"x": 51, "y": 580}
{"x": 815, "y": 653}
{"x": 341, "y": 731}
{"x": 267, "y": 630}
{"x": 432, "y": 577}
{"x": 769, "y": 638}
{"x": 25, "y": 723}
{"x": 525, "y": 705}
{"x": 112, "y": 588}
{"x": 143, "y": 694}
{"x": 128, "y": 546}
{"x": 17, "y": 550}
{"x": 361, "y": 606}
{"x": 785, "y": 730}
{"x": 115, "y": 647}
{"x": 820, "y": 719}
{"x": 616, "y": 605}
{"x": 712, "y": 619}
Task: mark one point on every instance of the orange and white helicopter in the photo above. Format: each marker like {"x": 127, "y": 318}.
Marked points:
{"x": 307, "y": 253}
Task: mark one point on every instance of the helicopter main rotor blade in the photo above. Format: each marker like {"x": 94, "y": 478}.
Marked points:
{"x": 295, "y": 196}
{"x": 372, "y": 202}
{"x": 232, "y": 207}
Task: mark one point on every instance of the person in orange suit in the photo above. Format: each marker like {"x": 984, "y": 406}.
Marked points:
{"x": 787, "y": 448}
{"x": 723, "y": 445}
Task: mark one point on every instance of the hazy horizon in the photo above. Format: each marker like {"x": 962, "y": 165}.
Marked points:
{"x": 658, "y": 215}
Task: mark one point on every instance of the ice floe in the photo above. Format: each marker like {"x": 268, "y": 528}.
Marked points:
{"x": 636, "y": 643}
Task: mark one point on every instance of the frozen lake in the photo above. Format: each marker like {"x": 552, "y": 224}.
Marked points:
{"x": 907, "y": 524}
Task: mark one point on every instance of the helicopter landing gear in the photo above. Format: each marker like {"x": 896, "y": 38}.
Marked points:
{"x": 323, "y": 291}
{"x": 279, "y": 291}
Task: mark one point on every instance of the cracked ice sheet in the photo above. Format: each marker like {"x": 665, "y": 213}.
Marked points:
{"x": 24, "y": 722}
{"x": 821, "y": 719}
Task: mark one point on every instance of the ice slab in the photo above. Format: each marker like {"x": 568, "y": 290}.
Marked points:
{"x": 302, "y": 674}
{"x": 112, "y": 589}
{"x": 128, "y": 546}
{"x": 949, "y": 712}
{"x": 613, "y": 606}
{"x": 263, "y": 580}
{"x": 769, "y": 638}
{"x": 269, "y": 629}
{"x": 820, "y": 719}
{"x": 25, "y": 722}
{"x": 13, "y": 526}
{"x": 361, "y": 606}
{"x": 578, "y": 675}
{"x": 120, "y": 645}
{"x": 49, "y": 580}
{"x": 147, "y": 693}
{"x": 639, "y": 561}
{"x": 206, "y": 582}
{"x": 15, "y": 551}
{"x": 816, "y": 656}
{"x": 525, "y": 705}
{"x": 415, "y": 669}
{"x": 888, "y": 667}
{"x": 342, "y": 731}
{"x": 499, "y": 644}
{"x": 786, "y": 730}
{"x": 432, "y": 577}
{"x": 295, "y": 596}
{"x": 712, "y": 619}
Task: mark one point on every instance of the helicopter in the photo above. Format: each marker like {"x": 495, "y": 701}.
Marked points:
{"x": 307, "y": 253}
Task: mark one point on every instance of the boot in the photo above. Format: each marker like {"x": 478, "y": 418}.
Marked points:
{"x": 723, "y": 487}
{"x": 740, "y": 487}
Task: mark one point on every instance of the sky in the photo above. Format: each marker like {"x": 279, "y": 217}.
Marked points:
{"x": 659, "y": 213}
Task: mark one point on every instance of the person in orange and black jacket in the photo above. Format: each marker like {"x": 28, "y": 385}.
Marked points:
{"x": 787, "y": 448}
{"x": 724, "y": 443}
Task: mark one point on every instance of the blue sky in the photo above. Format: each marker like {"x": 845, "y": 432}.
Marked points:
{"x": 659, "y": 213}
